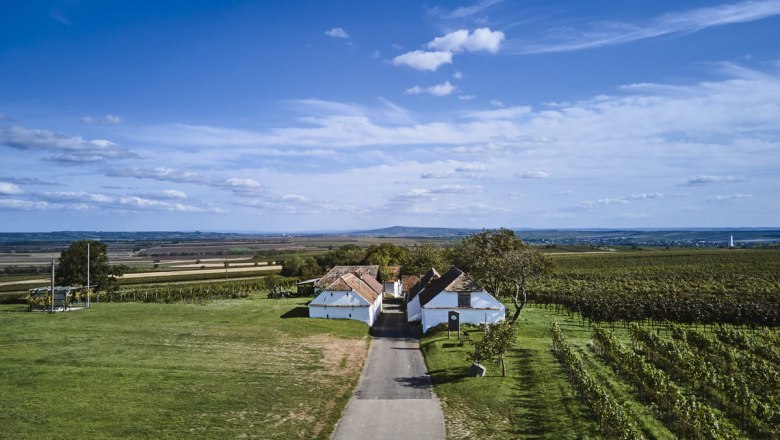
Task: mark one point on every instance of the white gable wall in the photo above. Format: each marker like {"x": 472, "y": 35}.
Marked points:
{"x": 345, "y": 305}
{"x": 484, "y": 308}
{"x": 393, "y": 288}
{"x": 413, "y": 311}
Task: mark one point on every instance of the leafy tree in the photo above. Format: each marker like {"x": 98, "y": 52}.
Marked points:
{"x": 301, "y": 267}
{"x": 498, "y": 339}
{"x": 385, "y": 255}
{"x": 418, "y": 259}
{"x": 347, "y": 255}
{"x": 72, "y": 268}
{"x": 502, "y": 263}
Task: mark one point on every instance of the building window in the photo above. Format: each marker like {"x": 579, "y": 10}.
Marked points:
{"x": 464, "y": 299}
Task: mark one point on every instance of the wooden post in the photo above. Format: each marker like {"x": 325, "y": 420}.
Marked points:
{"x": 51, "y": 306}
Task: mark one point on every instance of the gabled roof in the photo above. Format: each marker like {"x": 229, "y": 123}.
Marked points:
{"x": 338, "y": 271}
{"x": 455, "y": 280}
{"x": 375, "y": 285}
{"x": 409, "y": 281}
{"x": 350, "y": 282}
{"x": 426, "y": 279}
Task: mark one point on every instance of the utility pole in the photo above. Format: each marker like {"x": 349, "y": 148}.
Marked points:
{"x": 87, "y": 274}
{"x": 51, "y": 306}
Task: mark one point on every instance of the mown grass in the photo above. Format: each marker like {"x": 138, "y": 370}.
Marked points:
{"x": 253, "y": 368}
{"x": 535, "y": 399}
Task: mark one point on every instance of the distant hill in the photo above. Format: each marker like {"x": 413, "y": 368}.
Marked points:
{"x": 414, "y": 232}
{"x": 701, "y": 237}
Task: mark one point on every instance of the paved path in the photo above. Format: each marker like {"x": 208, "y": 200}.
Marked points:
{"x": 394, "y": 398}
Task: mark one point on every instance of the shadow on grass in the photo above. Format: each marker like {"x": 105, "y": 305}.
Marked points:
{"x": 450, "y": 375}
{"x": 19, "y": 309}
{"x": 297, "y": 312}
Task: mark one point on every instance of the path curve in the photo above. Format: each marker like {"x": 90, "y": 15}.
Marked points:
{"x": 394, "y": 397}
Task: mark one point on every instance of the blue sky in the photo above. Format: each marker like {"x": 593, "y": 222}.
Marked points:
{"x": 310, "y": 115}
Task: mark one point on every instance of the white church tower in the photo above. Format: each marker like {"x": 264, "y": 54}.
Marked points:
{"x": 731, "y": 241}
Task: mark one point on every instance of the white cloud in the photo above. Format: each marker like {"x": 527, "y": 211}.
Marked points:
{"x": 239, "y": 186}
{"x": 442, "y": 89}
{"x": 464, "y": 11}
{"x": 533, "y": 175}
{"x": 165, "y": 194}
{"x": 611, "y": 33}
{"x": 496, "y": 103}
{"x": 67, "y": 149}
{"x": 457, "y": 75}
{"x": 9, "y": 189}
{"x": 460, "y": 40}
{"x": 588, "y": 205}
{"x": 705, "y": 180}
{"x": 23, "y": 205}
{"x": 728, "y": 197}
{"x": 142, "y": 204}
{"x": 644, "y": 196}
{"x": 337, "y": 32}
{"x": 423, "y": 60}
{"x": 107, "y": 119}
{"x": 466, "y": 97}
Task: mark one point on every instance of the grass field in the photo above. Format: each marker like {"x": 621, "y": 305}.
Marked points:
{"x": 535, "y": 399}
{"x": 253, "y": 368}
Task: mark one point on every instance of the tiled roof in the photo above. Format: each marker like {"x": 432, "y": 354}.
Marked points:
{"x": 408, "y": 281}
{"x": 455, "y": 280}
{"x": 372, "y": 283}
{"x": 338, "y": 271}
{"x": 426, "y": 279}
{"x": 350, "y": 282}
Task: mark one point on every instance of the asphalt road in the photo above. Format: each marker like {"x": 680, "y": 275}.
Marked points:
{"x": 394, "y": 398}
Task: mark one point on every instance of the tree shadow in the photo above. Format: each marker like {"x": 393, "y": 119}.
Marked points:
{"x": 20, "y": 309}
{"x": 450, "y": 375}
{"x": 297, "y": 312}
{"x": 419, "y": 382}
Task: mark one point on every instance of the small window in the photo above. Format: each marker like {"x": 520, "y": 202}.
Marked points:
{"x": 464, "y": 299}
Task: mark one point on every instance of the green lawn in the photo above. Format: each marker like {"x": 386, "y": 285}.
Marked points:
{"x": 535, "y": 399}
{"x": 253, "y": 368}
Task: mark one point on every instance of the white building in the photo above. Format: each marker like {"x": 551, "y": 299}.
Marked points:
{"x": 456, "y": 291}
{"x": 392, "y": 284}
{"x": 337, "y": 271}
{"x": 349, "y": 297}
{"x": 412, "y": 300}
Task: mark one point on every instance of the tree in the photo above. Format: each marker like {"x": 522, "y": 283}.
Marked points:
{"x": 420, "y": 258}
{"x": 502, "y": 263}
{"x": 72, "y": 268}
{"x": 521, "y": 265}
{"x": 347, "y": 255}
{"x": 301, "y": 267}
{"x": 498, "y": 339}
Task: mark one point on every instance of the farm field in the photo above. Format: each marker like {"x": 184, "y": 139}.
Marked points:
{"x": 664, "y": 379}
{"x": 248, "y": 368}
{"x": 165, "y": 274}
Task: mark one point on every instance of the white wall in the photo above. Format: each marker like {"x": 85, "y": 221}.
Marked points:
{"x": 345, "y": 305}
{"x": 434, "y": 317}
{"x": 484, "y": 308}
{"x": 413, "y": 312}
{"x": 393, "y": 288}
